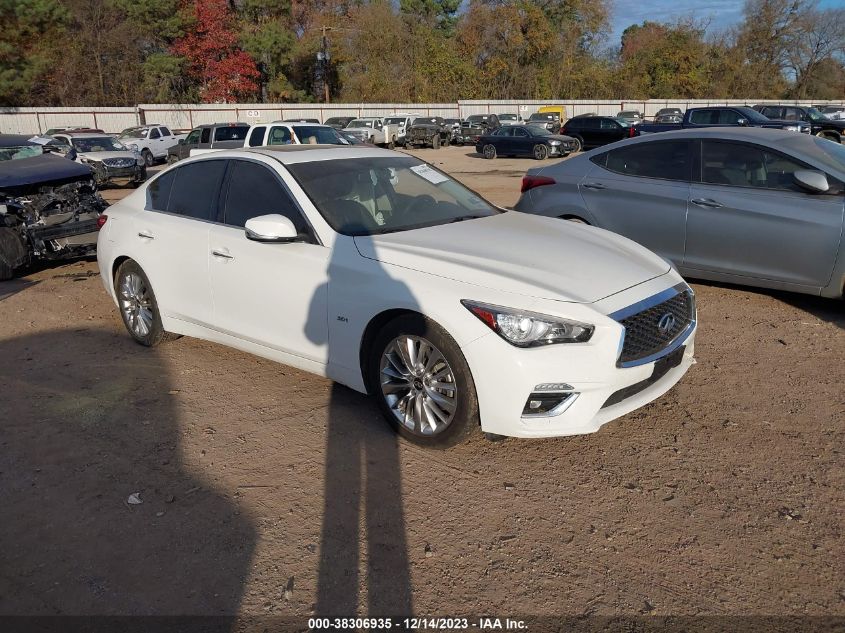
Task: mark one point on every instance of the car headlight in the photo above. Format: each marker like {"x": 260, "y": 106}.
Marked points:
{"x": 133, "y": 147}
{"x": 529, "y": 329}
{"x": 554, "y": 142}
{"x": 792, "y": 128}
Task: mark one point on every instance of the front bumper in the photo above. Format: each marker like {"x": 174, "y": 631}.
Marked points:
{"x": 505, "y": 377}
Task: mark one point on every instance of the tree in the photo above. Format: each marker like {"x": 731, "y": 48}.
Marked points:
{"x": 268, "y": 38}
{"x": 442, "y": 14}
{"x": 223, "y": 72}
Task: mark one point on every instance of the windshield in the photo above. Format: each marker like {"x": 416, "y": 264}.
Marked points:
{"x": 98, "y": 144}
{"x": 630, "y": 115}
{"x": 816, "y": 115}
{"x": 475, "y": 118}
{"x": 542, "y": 116}
{"x": 452, "y": 121}
{"x": 753, "y": 115}
{"x": 318, "y": 134}
{"x": 424, "y": 121}
{"x": 395, "y": 120}
{"x": 22, "y": 151}
{"x": 360, "y": 123}
{"x": 507, "y": 117}
{"x": 368, "y": 196}
{"x": 135, "y": 132}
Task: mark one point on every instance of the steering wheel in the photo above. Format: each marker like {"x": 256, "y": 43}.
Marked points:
{"x": 419, "y": 201}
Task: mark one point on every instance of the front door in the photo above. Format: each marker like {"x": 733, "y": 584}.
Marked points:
{"x": 748, "y": 218}
{"x": 271, "y": 294}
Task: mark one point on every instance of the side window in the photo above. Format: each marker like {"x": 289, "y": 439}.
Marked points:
{"x": 158, "y": 191}
{"x": 192, "y": 138}
{"x": 520, "y": 132}
{"x": 279, "y": 136}
{"x": 747, "y": 166}
{"x": 704, "y": 117}
{"x": 165, "y": 132}
{"x": 770, "y": 112}
{"x": 195, "y": 190}
{"x": 503, "y": 131}
{"x": 791, "y": 114}
{"x": 591, "y": 124}
{"x": 256, "y": 137}
{"x": 667, "y": 160}
{"x": 206, "y": 135}
{"x": 255, "y": 190}
{"x": 607, "y": 124}
{"x": 154, "y": 133}
{"x": 730, "y": 117}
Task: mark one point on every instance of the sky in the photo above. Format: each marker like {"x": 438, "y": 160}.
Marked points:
{"x": 720, "y": 13}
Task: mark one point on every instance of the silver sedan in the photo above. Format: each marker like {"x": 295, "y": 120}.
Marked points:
{"x": 747, "y": 206}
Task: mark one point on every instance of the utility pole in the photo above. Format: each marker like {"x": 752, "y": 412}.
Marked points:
{"x": 323, "y": 59}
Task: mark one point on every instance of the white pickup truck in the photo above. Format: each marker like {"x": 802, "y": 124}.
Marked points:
{"x": 152, "y": 141}
{"x": 373, "y": 130}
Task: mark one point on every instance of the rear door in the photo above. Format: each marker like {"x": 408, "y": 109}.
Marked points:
{"x": 747, "y": 217}
{"x": 172, "y": 238}
{"x": 521, "y": 143}
{"x": 270, "y": 294}
{"x": 641, "y": 191}
{"x": 157, "y": 144}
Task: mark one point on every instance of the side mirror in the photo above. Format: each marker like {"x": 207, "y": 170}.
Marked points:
{"x": 271, "y": 228}
{"x": 742, "y": 122}
{"x": 811, "y": 180}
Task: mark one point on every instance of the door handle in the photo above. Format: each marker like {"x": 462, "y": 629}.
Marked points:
{"x": 223, "y": 253}
{"x": 593, "y": 185}
{"x": 146, "y": 235}
{"x": 706, "y": 202}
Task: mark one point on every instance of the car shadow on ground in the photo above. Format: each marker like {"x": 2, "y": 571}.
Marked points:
{"x": 14, "y": 286}
{"x": 101, "y": 516}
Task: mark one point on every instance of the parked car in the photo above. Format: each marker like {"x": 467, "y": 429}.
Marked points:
{"x": 78, "y": 128}
{"x": 280, "y": 133}
{"x": 725, "y": 116}
{"x": 669, "y": 112}
{"x": 749, "y": 206}
{"x": 402, "y": 122}
{"x": 820, "y": 124}
{"x": 50, "y": 208}
{"x": 353, "y": 140}
{"x": 524, "y": 140}
{"x": 428, "y": 131}
{"x": 547, "y": 120}
{"x": 835, "y": 112}
{"x": 339, "y": 122}
{"x": 593, "y": 131}
{"x": 510, "y": 118}
{"x": 374, "y": 131}
{"x": 301, "y": 121}
{"x": 631, "y": 117}
{"x": 451, "y": 313}
{"x": 454, "y": 126}
{"x": 111, "y": 161}
{"x": 152, "y": 141}
{"x": 207, "y": 137}
{"x": 583, "y": 114}
{"x": 15, "y": 146}
{"x": 559, "y": 113}
{"x": 475, "y": 126}
{"x": 669, "y": 118}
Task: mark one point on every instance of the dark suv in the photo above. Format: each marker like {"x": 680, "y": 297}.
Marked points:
{"x": 593, "y": 131}
{"x": 820, "y": 125}
{"x": 211, "y": 136}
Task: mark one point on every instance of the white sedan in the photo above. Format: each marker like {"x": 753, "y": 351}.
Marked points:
{"x": 383, "y": 273}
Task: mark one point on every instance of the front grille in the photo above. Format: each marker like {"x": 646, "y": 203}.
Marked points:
{"x": 419, "y": 134}
{"x": 119, "y": 162}
{"x": 644, "y": 336}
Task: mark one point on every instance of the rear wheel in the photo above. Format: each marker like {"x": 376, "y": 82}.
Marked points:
{"x": 579, "y": 144}
{"x": 489, "y": 151}
{"x": 540, "y": 151}
{"x": 138, "y": 306}
{"x": 422, "y": 382}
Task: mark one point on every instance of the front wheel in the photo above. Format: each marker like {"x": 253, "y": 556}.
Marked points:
{"x": 489, "y": 152}
{"x": 579, "y": 144}
{"x": 540, "y": 152}
{"x": 422, "y": 382}
{"x": 149, "y": 159}
{"x": 392, "y": 144}
{"x": 138, "y": 306}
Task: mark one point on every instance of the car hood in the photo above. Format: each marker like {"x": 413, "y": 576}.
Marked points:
{"x": 524, "y": 254}
{"x": 105, "y": 155}
{"x": 358, "y": 129}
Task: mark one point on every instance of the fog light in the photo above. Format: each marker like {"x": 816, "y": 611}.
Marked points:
{"x": 548, "y": 404}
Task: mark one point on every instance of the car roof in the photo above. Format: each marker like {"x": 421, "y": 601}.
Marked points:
{"x": 83, "y": 134}
{"x": 292, "y": 154}
{"x": 16, "y": 140}
{"x": 751, "y": 134}
{"x": 232, "y": 124}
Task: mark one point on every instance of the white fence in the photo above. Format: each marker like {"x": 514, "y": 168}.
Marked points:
{"x": 186, "y": 116}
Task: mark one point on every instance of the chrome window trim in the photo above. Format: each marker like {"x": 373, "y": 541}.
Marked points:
{"x": 645, "y": 304}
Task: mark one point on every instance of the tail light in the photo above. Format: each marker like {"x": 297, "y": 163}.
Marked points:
{"x": 529, "y": 182}
{"x": 563, "y": 131}
{"x": 101, "y": 221}
{"x": 632, "y": 132}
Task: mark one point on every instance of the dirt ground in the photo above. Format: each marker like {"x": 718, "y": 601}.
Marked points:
{"x": 270, "y": 492}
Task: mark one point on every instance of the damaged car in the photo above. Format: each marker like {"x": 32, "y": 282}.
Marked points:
{"x": 111, "y": 161}
{"x": 428, "y": 132}
{"x": 49, "y": 210}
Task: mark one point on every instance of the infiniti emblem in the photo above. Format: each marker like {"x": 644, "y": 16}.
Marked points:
{"x": 666, "y": 324}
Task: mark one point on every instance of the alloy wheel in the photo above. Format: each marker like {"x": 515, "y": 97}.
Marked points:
{"x": 418, "y": 385}
{"x": 136, "y": 304}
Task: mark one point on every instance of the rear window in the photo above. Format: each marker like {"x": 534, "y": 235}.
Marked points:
{"x": 231, "y": 133}
{"x": 323, "y": 135}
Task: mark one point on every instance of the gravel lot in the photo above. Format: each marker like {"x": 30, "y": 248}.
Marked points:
{"x": 267, "y": 491}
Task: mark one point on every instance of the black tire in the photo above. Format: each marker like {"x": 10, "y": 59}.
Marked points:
{"x": 465, "y": 418}
{"x": 435, "y": 141}
{"x": 392, "y": 144}
{"x": 408, "y": 146}
{"x": 149, "y": 159}
{"x": 156, "y": 333}
{"x": 579, "y": 144}
{"x": 575, "y": 219}
{"x": 172, "y": 158}
{"x": 489, "y": 151}
{"x": 13, "y": 253}
{"x": 541, "y": 152}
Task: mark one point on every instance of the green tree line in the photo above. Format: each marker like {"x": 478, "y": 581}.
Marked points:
{"x": 123, "y": 52}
